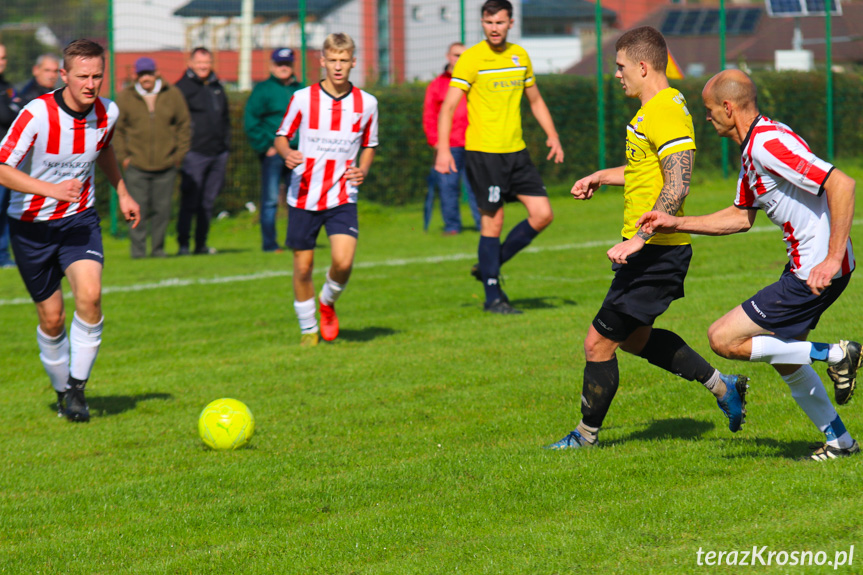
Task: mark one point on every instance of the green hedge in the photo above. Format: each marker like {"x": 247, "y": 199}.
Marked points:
{"x": 403, "y": 158}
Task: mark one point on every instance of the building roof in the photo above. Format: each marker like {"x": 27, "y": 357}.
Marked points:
{"x": 563, "y": 10}
{"x": 755, "y": 47}
{"x": 263, "y": 8}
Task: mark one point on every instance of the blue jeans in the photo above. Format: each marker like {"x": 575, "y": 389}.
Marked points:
{"x": 273, "y": 172}
{"x": 5, "y": 258}
{"x": 450, "y": 192}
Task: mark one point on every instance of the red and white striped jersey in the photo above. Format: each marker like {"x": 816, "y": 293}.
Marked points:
{"x": 61, "y": 145}
{"x": 332, "y": 131}
{"x": 780, "y": 175}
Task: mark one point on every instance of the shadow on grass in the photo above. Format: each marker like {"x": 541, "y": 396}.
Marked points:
{"x": 766, "y": 447}
{"x": 679, "y": 428}
{"x": 541, "y": 303}
{"x": 114, "y": 404}
{"x": 365, "y": 334}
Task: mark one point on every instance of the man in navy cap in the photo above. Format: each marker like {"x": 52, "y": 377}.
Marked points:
{"x": 151, "y": 138}
{"x": 264, "y": 112}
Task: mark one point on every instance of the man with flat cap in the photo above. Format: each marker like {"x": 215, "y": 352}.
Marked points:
{"x": 152, "y": 137}
{"x": 264, "y": 112}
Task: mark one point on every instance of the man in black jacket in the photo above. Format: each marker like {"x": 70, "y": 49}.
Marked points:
{"x": 8, "y": 110}
{"x": 46, "y": 71}
{"x": 203, "y": 169}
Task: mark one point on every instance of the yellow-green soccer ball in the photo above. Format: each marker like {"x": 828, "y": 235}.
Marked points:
{"x": 226, "y": 424}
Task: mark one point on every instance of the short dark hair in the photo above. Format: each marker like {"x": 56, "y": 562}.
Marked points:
{"x": 201, "y": 50}
{"x": 492, "y": 7}
{"x": 82, "y": 48}
{"x": 645, "y": 44}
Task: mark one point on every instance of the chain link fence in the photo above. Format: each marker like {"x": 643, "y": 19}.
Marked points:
{"x": 401, "y": 46}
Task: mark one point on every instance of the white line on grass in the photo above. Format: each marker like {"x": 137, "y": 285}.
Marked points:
{"x": 177, "y": 282}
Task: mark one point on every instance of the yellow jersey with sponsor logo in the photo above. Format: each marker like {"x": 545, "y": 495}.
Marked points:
{"x": 494, "y": 82}
{"x": 661, "y": 127}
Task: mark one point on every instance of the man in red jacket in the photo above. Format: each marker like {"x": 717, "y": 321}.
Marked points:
{"x": 448, "y": 184}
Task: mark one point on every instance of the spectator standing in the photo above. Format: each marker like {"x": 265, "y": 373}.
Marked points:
{"x": 8, "y": 110}
{"x": 263, "y": 115}
{"x": 448, "y": 184}
{"x": 203, "y": 169}
{"x": 151, "y": 139}
{"x": 46, "y": 70}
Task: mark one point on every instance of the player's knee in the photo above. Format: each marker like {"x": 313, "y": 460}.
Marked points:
{"x": 53, "y": 324}
{"x": 718, "y": 341}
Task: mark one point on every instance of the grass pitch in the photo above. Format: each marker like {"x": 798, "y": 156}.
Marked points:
{"x": 413, "y": 443}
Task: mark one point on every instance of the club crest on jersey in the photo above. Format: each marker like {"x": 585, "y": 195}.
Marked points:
{"x": 356, "y": 117}
{"x": 515, "y": 60}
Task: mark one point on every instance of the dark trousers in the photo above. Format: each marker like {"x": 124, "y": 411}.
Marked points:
{"x": 153, "y": 191}
{"x": 202, "y": 180}
{"x": 5, "y": 258}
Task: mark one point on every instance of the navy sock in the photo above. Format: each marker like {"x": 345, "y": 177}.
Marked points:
{"x": 518, "y": 238}
{"x": 489, "y": 267}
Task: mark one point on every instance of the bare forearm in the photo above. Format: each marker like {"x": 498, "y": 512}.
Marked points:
{"x": 367, "y": 156}
{"x": 725, "y": 222}
{"x": 107, "y": 162}
{"x": 15, "y": 179}
{"x": 840, "y": 190}
{"x": 677, "y": 171}
{"x": 281, "y": 145}
{"x": 543, "y": 117}
{"x": 612, "y": 176}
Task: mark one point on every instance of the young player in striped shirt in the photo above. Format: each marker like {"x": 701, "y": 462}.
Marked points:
{"x": 54, "y": 228}
{"x": 813, "y": 203}
{"x": 336, "y": 121}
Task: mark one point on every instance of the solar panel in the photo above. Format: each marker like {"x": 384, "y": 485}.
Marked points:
{"x": 782, "y": 8}
{"x": 705, "y": 22}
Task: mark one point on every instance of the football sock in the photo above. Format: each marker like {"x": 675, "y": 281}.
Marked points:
{"x": 331, "y": 291}
{"x": 808, "y": 391}
{"x": 775, "y": 350}
{"x": 587, "y": 432}
{"x": 306, "y": 314}
{"x": 85, "y": 340}
{"x": 489, "y": 267}
{"x": 601, "y": 379}
{"x": 667, "y": 350}
{"x": 518, "y": 238}
{"x": 54, "y": 353}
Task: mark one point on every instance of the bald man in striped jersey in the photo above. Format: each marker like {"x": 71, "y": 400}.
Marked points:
{"x": 812, "y": 202}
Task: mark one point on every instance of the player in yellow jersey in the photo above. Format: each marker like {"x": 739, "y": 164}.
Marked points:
{"x": 648, "y": 270}
{"x": 495, "y": 74}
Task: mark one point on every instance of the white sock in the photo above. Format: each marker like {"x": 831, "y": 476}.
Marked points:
{"x": 54, "y": 353}
{"x": 306, "y": 314}
{"x": 835, "y": 355}
{"x": 808, "y": 391}
{"x": 331, "y": 291}
{"x": 85, "y": 340}
{"x": 775, "y": 350}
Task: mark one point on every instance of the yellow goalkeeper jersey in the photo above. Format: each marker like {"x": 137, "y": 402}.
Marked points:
{"x": 661, "y": 127}
{"x": 494, "y": 82}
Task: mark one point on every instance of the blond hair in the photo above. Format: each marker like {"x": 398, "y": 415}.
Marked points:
{"x": 339, "y": 42}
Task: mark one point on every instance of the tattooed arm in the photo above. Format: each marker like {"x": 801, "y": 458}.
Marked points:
{"x": 677, "y": 171}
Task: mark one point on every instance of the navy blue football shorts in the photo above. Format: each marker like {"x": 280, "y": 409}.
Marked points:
{"x": 788, "y": 308}
{"x": 43, "y": 250}
{"x": 304, "y": 225}
{"x": 498, "y": 178}
{"x": 644, "y": 288}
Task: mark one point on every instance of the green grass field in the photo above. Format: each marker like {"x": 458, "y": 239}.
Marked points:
{"x": 413, "y": 443}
